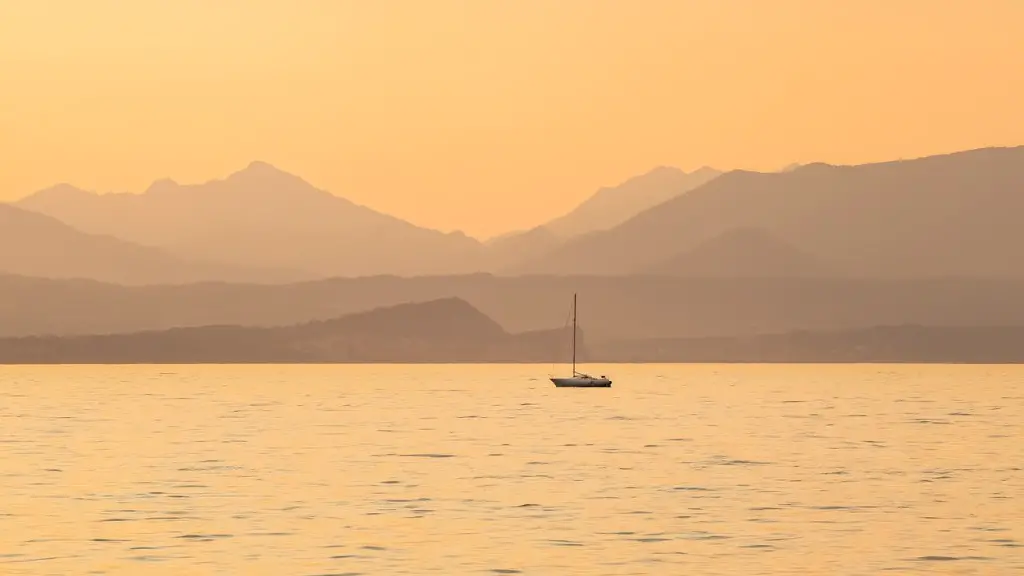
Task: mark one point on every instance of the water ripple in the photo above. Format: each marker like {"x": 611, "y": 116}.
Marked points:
{"x": 357, "y": 470}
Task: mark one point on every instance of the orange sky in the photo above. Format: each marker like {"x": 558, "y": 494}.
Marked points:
{"x": 489, "y": 115}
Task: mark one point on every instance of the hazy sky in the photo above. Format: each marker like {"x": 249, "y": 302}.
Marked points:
{"x": 488, "y": 115}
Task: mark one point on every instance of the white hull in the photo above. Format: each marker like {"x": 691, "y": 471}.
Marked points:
{"x": 582, "y": 382}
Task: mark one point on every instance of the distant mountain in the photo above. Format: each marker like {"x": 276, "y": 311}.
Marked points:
{"x": 511, "y": 250}
{"x": 262, "y": 216}
{"x": 742, "y": 253}
{"x": 611, "y": 206}
{"x": 611, "y": 308}
{"x": 607, "y": 208}
{"x": 875, "y": 345}
{"x": 36, "y": 245}
{"x": 450, "y": 330}
{"x": 949, "y": 215}
{"x": 445, "y": 330}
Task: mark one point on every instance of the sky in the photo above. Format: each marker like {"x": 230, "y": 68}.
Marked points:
{"x": 492, "y": 115}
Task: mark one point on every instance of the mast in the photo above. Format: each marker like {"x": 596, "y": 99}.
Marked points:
{"x": 573, "y": 333}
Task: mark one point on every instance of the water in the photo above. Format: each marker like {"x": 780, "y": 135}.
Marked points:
{"x": 317, "y": 470}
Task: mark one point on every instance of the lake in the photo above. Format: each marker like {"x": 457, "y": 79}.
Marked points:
{"x": 437, "y": 469}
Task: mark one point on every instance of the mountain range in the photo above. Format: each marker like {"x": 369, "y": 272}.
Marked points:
{"x": 607, "y": 208}
{"x": 260, "y": 217}
{"x": 947, "y": 215}
{"x": 266, "y": 224}
{"x": 611, "y": 206}
{"x": 938, "y": 216}
{"x": 904, "y": 344}
{"x": 742, "y": 253}
{"x": 445, "y": 330}
{"x": 450, "y": 330}
{"x": 611, "y": 308}
{"x": 670, "y": 266}
{"x": 34, "y": 244}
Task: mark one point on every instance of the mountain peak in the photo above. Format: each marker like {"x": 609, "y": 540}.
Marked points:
{"x": 263, "y": 175}
{"x": 450, "y": 315}
{"x": 55, "y": 195}
{"x": 161, "y": 185}
{"x": 705, "y": 171}
{"x": 263, "y": 169}
{"x": 612, "y": 205}
{"x": 62, "y": 190}
{"x": 664, "y": 168}
{"x": 260, "y": 165}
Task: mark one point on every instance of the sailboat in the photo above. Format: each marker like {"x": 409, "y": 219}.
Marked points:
{"x": 579, "y": 379}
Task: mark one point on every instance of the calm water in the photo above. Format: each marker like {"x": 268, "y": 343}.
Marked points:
{"x": 317, "y": 470}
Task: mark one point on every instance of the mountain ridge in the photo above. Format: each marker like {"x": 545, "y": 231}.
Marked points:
{"x": 450, "y": 330}
{"x": 611, "y": 307}
{"x": 263, "y": 216}
{"x": 942, "y": 215}
{"x": 605, "y": 208}
{"x": 929, "y": 216}
{"x": 612, "y": 205}
{"x": 446, "y": 330}
{"x": 742, "y": 253}
{"x": 35, "y": 244}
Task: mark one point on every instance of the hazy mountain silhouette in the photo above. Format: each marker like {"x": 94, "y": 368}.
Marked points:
{"x": 607, "y": 208}
{"x": 610, "y": 308}
{"x": 742, "y": 253}
{"x": 444, "y": 330}
{"x": 37, "y": 245}
{"x": 876, "y": 345}
{"x": 262, "y": 216}
{"x": 451, "y": 330}
{"x": 611, "y": 206}
{"x": 511, "y": 250}
{"x": 948, "y": 215}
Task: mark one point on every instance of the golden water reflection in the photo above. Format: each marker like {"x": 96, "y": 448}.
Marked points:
{"x": 316, "y": 470}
